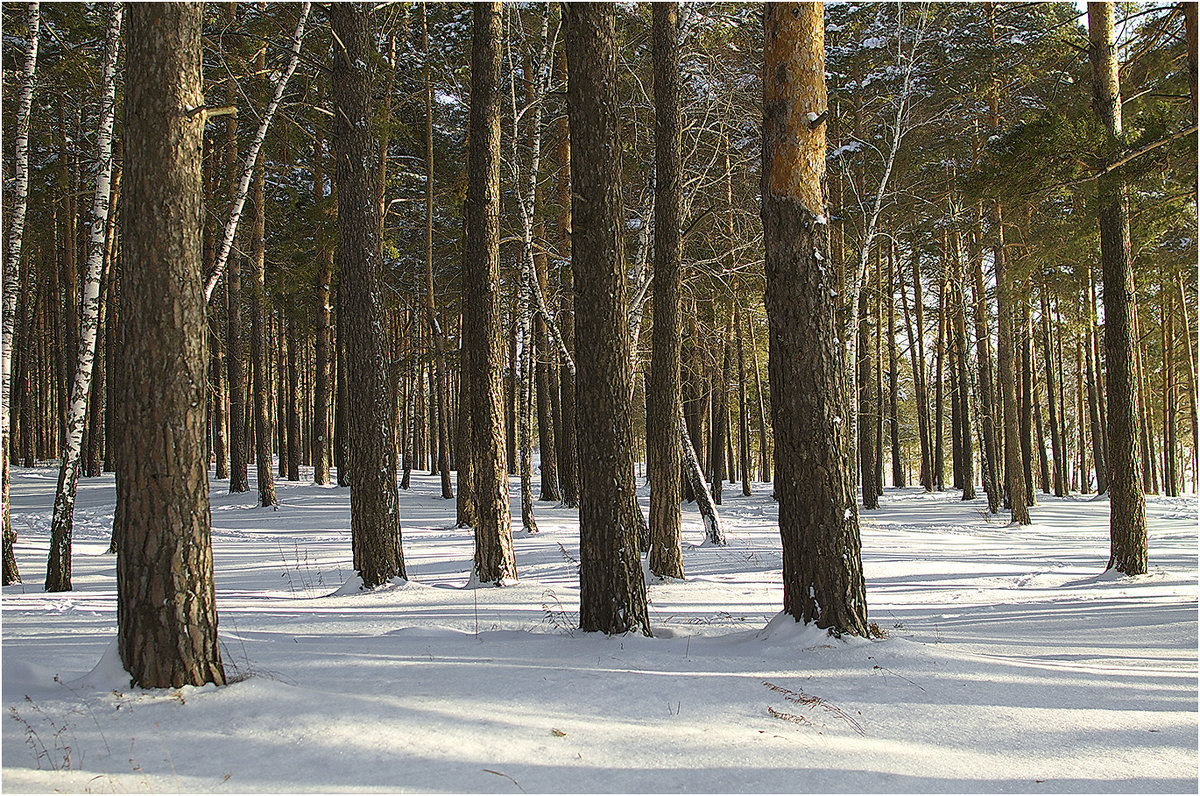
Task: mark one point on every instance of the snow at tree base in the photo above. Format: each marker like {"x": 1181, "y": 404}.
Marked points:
{"x": 1012, "y": 661}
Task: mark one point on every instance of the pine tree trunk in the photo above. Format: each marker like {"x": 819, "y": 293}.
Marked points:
{"x": 1190, "y": 363}
{"x": 983, "y": 352}
{"x": 964, "y": 377}
{"x": 818, "y": 521}
{"x": 293, "y": 402}
{"x": 1025, "y": 338}
{"x": 1127, "y": 518}
{"x": 568, "y": 463}
{"x": 58, "y": 573}
{"x": 374, "y": 510}
{"x": 1170, "y": 451}
{"x": 235, "y": 367}
{"x": 664, "y": 397}
{"x": 1056, "y": 441}
{"x": 893, "y": 373}
{"x": 259, "y": 321}
{"x": 743, "y": 420}
{"x": 866, "y": 407}
{"x": 917, "y": 360}
{"x": 161, "y": 525}
{"x": 1014, "y": 474}
{"x": 939, "y": 458}
{"x": 612, "y": 589}
{"x": 764, "y": 466}
{"x": 483, "y": 333}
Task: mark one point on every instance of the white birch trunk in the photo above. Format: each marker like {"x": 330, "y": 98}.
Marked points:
{"x": 239, "y": 201}
{"x": 58, "y": 575}
{"x": 713, "y": 532}
{"x": 10, "y": 273}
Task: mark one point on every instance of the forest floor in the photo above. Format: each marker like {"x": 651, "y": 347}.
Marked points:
{"x": 1012, "y": 663}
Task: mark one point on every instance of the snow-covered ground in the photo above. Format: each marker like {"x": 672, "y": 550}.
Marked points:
{"x": 1012, "y": 663}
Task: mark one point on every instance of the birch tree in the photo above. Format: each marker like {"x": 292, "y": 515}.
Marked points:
{"x": 58, "y": 574}
{"x": 11, "y": 272}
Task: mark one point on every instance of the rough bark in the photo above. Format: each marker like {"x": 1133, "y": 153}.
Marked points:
{"x": 374, "y": 510}
{"x": 166, "y": 611}
{"x": 818, "y": 518}
{"x": 1127, "y": 517}
{"x": 263, "y": 424}
{"x": 983, "y": 353}
{"x": 663, "y": 404}
{"x": 612, "y": 589}
{"x": 568, "y": 463}
{"x": 1057, "y": 445}
{"x": 867, "y": 409}
{"x": 234, "y": 360}
{"x": 323, "y": 378}
{"x": 494, "y": 561}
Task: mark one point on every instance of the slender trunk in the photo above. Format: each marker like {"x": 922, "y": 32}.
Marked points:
{"x": 983, "y": 352}
{"x": 939, "y": 463}
{"x": 764, "y": 453}
{"x": 567, "y": 459}
{"x": 664, "y": 425}
{"x": 58, "y": 574}
{"x": 1026, "y": 429}
{"x": 1056, "y": 442}
{"x": 293, "y": 402}
{"x": 1081, "y": 416}
{"x": 11, "y": 279}
{"x": 866, "y": 407}
{"x": 252, "y": 161}
{"x": 743, "y": 423}
{"x": 1190, "y": 362}
{"x": 234, "y": 365}
{"x": 259, "y": 321}
{"x": 893, "y": 373}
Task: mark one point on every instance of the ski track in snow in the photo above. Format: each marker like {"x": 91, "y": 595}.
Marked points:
{"x": 1013, "y": 663}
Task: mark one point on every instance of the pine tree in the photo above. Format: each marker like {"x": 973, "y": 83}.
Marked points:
{"x": 166, "y": 610}
{"x": 818, "y": 521}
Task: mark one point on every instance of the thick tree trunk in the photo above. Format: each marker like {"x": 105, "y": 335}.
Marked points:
{"x": 161, "y": 525}
{"x": 1127, "y": 518}
{"x": 612, "y": 589}
{"x": 818, "y": 521}
{"x": 494, "y": 561}
{"x": 664, "y": 398}
{"x": 58, "y": 573}
{"x": 374, "y": 510}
